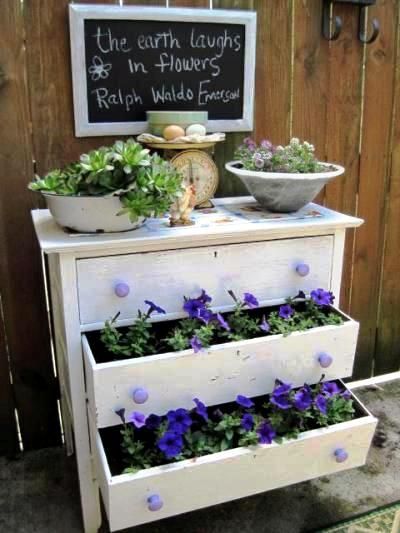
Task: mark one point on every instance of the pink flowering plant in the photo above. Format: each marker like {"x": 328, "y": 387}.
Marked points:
{"x": 296, "y": 157}
{"x": 188, "y": 433}
{"x": 204, "y": 327}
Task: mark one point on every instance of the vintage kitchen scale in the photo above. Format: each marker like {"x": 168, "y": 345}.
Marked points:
{"x": 196, "y": 163}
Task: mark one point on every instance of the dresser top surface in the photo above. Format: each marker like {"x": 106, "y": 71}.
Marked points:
{"x": 237, "y": 219}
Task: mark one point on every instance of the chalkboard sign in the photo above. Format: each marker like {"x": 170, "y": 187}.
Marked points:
{"x": 128, "y": 60}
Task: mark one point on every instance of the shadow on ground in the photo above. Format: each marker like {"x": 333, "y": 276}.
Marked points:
{"x": 39, "y": 493}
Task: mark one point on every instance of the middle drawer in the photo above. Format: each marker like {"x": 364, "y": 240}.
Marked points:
{"x": 219, "y": 373}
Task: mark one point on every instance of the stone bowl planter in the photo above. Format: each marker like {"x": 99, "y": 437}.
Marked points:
{"x": 284, "y": 192}
{"x": 90, "y": 214}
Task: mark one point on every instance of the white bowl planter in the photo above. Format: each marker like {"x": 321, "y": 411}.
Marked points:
{"x": 283, "y": 191}
{"x": 158, "y": 492}
{"x": 90, "y": 214}
{"x": 172, "y": 380}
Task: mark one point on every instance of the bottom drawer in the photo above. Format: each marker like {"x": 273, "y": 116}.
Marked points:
{"x": 220, "y": 477}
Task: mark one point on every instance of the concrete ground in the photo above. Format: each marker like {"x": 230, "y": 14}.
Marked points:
{"x": 39, "y": 493}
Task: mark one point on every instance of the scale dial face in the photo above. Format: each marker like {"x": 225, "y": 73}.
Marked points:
{"x": 198, "y": 169}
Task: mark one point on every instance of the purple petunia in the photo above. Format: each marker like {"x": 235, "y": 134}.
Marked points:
{"x": 330, "y": 388}
{"x": 153, "y": 422}
{"x": 280, "y": 395}
{"x": 121, "y": 414}
{"x": 153, "y": 307}
{"x": 192, "y": 306}
{"x": 201, "y": 409}
{"x": 321, "y": 403}
{"x": 179, "y": 420}
{"x": 222, "y": 322}
{"x": 137, "y": 419}
{"x": 303, "y": 398}
{"x": 286, "y": 311}
{"x": 204, "y": 297}
{"x": 206, "y": 315}
{"x": 321, "y": 297}
{"x": 266, "y": 433}
{"x": 346, "y": 394}
{"x": 243, "y": 401}
{"x": 170, "y": 444}
{"x": 196, "y": 344}
{"x": 250, "y": 300}
{"x": 247, "y": 422}
{"x": 264, "y": 326}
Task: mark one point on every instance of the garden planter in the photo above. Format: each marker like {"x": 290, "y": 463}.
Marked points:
{"x": 90, "y": 214}
{"x": 217, "y": 374}
{"x": 284, "y": 192}
{"x": 158, "y": 492}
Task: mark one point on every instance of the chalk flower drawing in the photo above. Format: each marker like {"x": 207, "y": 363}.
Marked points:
{"x": 98, "y": 69}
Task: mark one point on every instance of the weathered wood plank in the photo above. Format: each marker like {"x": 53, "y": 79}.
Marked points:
{"x": 51, "y": 86}
{"x": 25, "y": 316}
{"x": 189, "y": 3}
{"x": 230, "y": 185}
{"x": 375, "y": 148}
{"x": 387, "y": 354}
{"x": 343, "y": 127}
{"x": 310, "y": 79}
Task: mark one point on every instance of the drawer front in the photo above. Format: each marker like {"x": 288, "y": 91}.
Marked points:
{"x": 229, "y": 475}
{"x": 268, "y": 269}
{"x": 218, "y": 374}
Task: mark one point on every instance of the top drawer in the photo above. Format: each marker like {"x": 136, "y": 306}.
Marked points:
{"x": 268, "y": 269}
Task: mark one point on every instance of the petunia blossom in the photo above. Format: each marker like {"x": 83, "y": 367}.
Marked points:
{"x": 280, "y": 395}
{"x": 266, "y": 433}
{"x": 243, "y": 401}
{"x": 330, "y": 388}
{"x": 179, "y": 420}
{"x": 286, "y": 311}
{"x": 196, "y": 344}
{"x": 153, "y": 307}
{"x": 247, "y": 422}
{"x": 303, "y": 398}
{"x": 138, "y": 419}
{"x": 322, "y": 297}
{"x": 321, "y": 403}
{"x": 264, "y": 326}
{"x": 250, "y": 300}
{"x": 170, "y": 444}
{"x": 201, "y": 409}
{"x": 153, "y": 422}
{"x": 121, "y": 414}
{"x": 222, "y": 322}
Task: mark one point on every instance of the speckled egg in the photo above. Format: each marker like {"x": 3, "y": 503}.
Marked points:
{"x": 196, "y": 129}
{"x": 172, "y": 132}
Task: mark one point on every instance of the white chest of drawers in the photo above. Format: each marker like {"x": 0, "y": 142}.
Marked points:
{"x": 233, "y": 246}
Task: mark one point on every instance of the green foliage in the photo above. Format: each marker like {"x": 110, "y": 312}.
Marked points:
{"x": 146, "y": 184}
{"x": 296, "y": 157}
{"x": 242, "y": 325}
{"x": 137, "y": 342}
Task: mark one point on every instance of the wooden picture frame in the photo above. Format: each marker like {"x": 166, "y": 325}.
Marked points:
{"x": 79, "y": 13}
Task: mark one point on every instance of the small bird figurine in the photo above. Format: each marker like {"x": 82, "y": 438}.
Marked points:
{"x": 182, "y": 207}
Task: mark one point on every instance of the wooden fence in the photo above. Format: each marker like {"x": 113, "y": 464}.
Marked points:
{"x": 342, "y": 95}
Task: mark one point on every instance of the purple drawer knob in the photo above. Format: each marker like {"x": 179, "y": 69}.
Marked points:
{"x": 154, "y": 502}
{"x": 140, "y": 395}
{"x": 325, "y": 360}
{"x": 121, "y": 289}
{"x": 341, "y": 455}
{"x": 303, "y": 269}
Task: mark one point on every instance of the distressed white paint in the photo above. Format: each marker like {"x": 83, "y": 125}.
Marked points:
{"x": 224, "y": 476}
{"x": 266, "y": 269}
{"x": 232, "y": 474}
{"x": 78, "y": 13}
{"x": 218, "y": 374}
{"x": 54, "y": 239}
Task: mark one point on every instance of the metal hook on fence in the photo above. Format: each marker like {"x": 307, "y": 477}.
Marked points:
{"x": 331, "y": 28}
{"x": 362, "y": 34}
